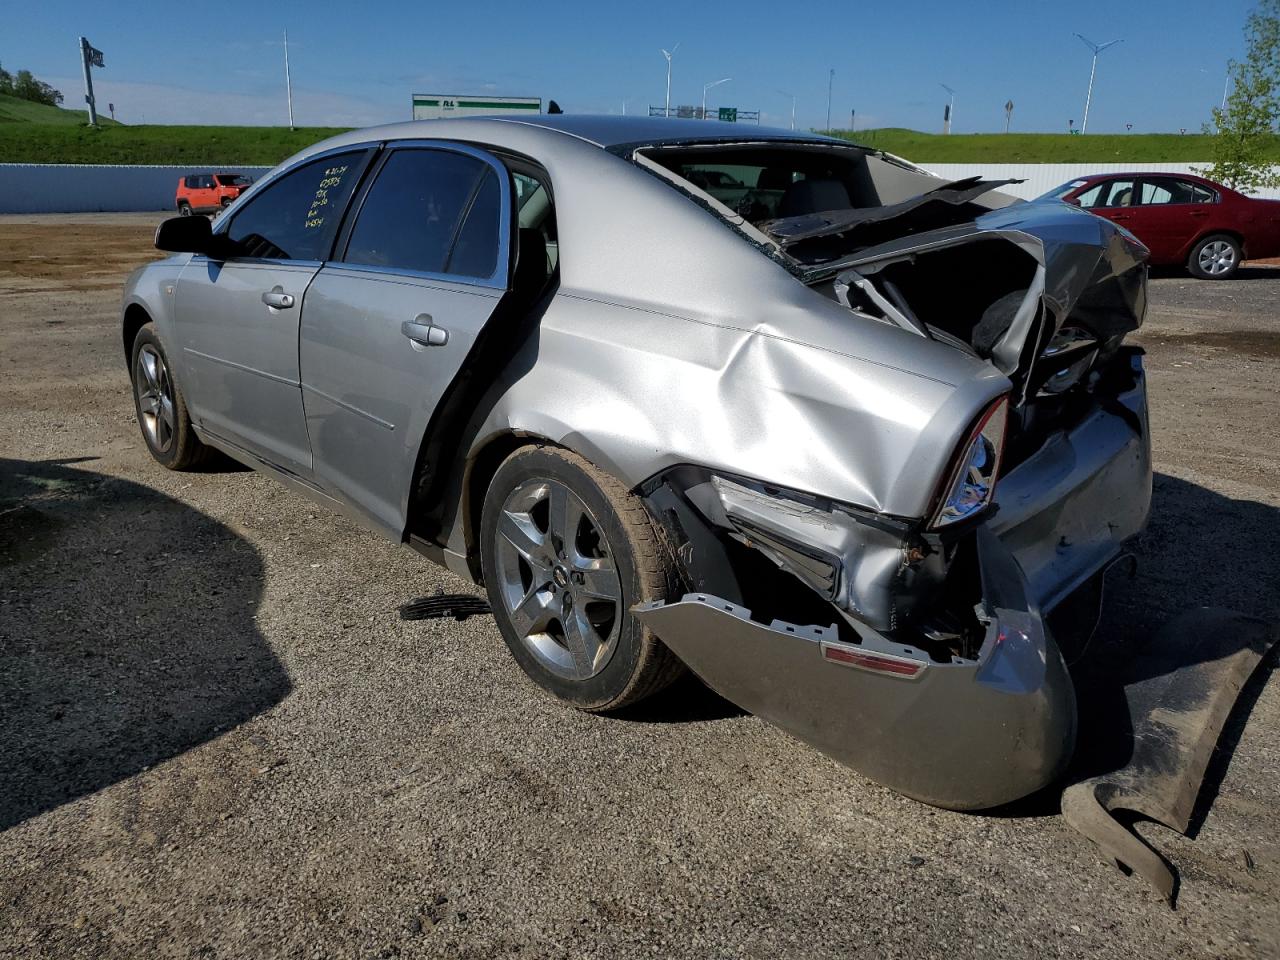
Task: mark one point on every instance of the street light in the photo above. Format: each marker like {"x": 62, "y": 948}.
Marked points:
{"x": 831, "y": 79}
{"x": 951, "y": 109}
{"x": 1097, "y": 48}
{"x": 669, "y": 56}
{"x": 793, "y": 106}
{"x": 705, "y": 88}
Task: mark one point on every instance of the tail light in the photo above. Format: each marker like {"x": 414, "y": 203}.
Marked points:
{"x": 972, "y": 481}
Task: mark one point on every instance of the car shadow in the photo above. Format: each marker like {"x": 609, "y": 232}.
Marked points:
{"x": 1249, "y": 270}
{"x": 1187, "y": 558}
{"x": 127, "y": 633}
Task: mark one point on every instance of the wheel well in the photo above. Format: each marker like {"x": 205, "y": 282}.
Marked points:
{"x": 1233, "y": 234}
{"x": 135, "y": 318}
{"x": 479, "y": 475}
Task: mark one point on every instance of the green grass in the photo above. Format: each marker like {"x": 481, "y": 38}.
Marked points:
{"x": 1041, "y": 147}
{"x": 33, "y": 133}
{"x": 200, "y": 146}
{"x": 13, "y": 110}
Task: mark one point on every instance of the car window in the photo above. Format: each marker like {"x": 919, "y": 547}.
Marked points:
{"x": 1158, "y": 190}
{"x": 412, "y": 214}
{"x": 1115, "y": 193}
{"x": 475, "y": 254}
{"x": 1090, "y": 197}
{"x": 295, "y": 216}
{"x": 1201, "y": 194}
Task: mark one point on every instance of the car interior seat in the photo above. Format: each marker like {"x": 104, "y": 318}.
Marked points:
{"x": 814, "y": 196}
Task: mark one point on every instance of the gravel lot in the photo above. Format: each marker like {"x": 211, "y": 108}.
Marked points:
{"x": 217, "y": 739}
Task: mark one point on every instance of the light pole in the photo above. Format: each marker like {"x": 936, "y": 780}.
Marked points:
{"x": 667, "y": 111}
{"x": 1097, "y": 48}
{"x": 705, "y": 88}
{"x": 951, "y": 108}
{"x": 793, "y": 106}
{"x": 831, "y": 79}
{"x": 288, "y": 81}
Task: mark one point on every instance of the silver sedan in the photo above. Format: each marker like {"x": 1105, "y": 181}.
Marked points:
{"x": 833, "y": 433}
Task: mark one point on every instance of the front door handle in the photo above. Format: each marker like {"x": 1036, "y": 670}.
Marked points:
{"x": 423, "y": 333}
{"x": 277, "y": 298}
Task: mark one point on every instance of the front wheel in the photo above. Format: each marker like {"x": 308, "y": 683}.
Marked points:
{"x": 161, "y": 408}
{"x": 1215, "y": 258}
{"x": 184, "y": 209}
{"x": 567, "y": 551}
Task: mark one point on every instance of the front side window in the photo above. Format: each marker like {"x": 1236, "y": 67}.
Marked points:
{"x": 1109, "y": 193}
{"x": 430, "y": 211}
{"x": 296, "y": 216}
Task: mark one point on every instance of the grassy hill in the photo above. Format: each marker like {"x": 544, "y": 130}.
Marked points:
{"x": 201, "y": 146}
{"x": 32, "y": 133}
{"x": 13, "y": 110}
{"x": 1041, "y": 147}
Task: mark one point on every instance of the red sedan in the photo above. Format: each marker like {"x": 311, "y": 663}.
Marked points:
{"x": 1182, "y": 219}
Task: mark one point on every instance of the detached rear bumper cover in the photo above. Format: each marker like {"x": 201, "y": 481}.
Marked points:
{"x": 965, "y": 735}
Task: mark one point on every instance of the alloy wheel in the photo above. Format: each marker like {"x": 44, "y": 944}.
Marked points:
{"x": 558, "y": 579}
{"x": 154, "y": 389}
{"x": 1217, "y": 258}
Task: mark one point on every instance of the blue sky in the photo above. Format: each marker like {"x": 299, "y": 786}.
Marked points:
{"x": 358, "y": 63}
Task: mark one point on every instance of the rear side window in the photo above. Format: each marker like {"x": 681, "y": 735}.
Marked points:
{"x": 430, "y": 211}
{"x": 296, "y": 216}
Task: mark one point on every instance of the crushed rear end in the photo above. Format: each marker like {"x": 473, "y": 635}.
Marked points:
{"x": 916, "y": 649}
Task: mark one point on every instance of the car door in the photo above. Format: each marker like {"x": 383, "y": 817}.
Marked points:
{"x": 388, "y": 323}
{"x": 206, "y": 193}
{"x": 1171, "y": 216}
{"x": 237, "y": 318}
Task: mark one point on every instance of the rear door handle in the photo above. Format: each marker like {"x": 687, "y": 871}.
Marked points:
{"x": 423, "y": 333}
{"x": 277, "y": 298}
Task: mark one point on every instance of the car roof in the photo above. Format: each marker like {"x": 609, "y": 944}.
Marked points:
{"x": 1130, "y": 174}
{"x": 599, "y": 130}
{"x": 612, "y": 131}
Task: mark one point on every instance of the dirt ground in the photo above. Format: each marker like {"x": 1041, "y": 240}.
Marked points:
{"x": 217, "y": 739}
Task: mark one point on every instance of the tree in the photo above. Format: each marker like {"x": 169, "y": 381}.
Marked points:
{"x": 6, "y": 82}
{"x": 1248, "y": 125}
{"x": 27, "y": 87}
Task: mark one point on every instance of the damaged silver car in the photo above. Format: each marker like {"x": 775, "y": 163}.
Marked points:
{"x": 832, "y": 433}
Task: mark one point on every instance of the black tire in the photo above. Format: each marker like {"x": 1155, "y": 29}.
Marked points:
{"x": 224, "y": 202}
{"x": 184, "y": 209}
{"x": 180, "y": 448}
{"x": 640, "y": 665}
{"x": 1215, "y": 257}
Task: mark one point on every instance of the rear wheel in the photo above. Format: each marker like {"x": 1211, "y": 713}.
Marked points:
{"x": 567, "y": 551}
{"x": 184, "y": 209}
{"x": 1215, "y": 258}
{"x": 161, "y": 408}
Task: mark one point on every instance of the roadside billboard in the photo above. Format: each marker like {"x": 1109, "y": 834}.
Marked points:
{"x": 436, "y": 106}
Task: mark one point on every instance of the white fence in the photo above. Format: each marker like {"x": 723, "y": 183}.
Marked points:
{"x": 81, "y": 188}
{"x": 78, "y": 188}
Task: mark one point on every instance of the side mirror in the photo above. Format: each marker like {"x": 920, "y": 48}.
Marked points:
{"x": 186, "y": 235}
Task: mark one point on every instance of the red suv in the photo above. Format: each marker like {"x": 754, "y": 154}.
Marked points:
{"x": 205, "y": 192}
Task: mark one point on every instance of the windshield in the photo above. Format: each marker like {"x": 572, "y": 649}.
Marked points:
{"x": 1057, "y": 193}
{"x": 233, "y": 180}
